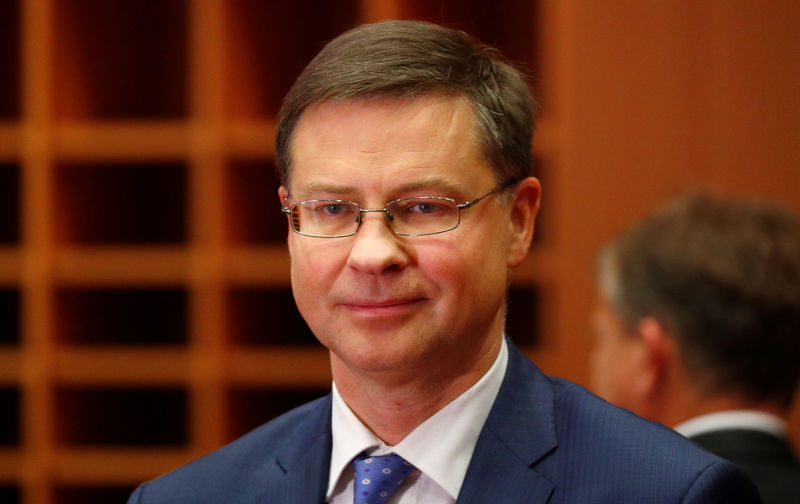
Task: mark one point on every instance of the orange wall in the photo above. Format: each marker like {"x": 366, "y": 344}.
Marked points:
{"x": 655, "y": 98}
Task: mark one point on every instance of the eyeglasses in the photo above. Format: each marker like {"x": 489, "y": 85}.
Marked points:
{"x": 414, "y": 216}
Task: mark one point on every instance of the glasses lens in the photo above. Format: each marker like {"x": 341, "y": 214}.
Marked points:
{"x": 325, "y": 218}
{"x": 424, "y": 215}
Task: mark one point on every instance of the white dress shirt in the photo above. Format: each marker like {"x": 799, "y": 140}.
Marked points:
{"x": 440, "y": 448}
{"x": 734, "y": 419}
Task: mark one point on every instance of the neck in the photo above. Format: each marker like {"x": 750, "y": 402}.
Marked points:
{"x": 392, "y": 404}
{"x": 681, "y": 396}
{"x": 680, "y": 409}
{"x": 731, "y": 403}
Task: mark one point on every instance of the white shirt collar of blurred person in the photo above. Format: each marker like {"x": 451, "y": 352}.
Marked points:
{"x": 734, "y": 419}
{"x": 440, "y": 448}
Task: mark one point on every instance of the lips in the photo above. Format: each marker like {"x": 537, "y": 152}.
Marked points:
{"x": 382, "y": 307}
{"x": 381, "y": 304}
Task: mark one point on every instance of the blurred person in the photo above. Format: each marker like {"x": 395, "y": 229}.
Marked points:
{"x": 404, "y": 150}
{"x": 698, "y": 327}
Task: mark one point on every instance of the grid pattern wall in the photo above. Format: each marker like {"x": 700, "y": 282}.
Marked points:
{"x": 146, "y": 315}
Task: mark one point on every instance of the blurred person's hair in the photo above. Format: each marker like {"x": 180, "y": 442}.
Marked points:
{"x": 723, "y": 276}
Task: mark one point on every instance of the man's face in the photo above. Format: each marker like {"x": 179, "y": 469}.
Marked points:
{"x": 382, "y": 302}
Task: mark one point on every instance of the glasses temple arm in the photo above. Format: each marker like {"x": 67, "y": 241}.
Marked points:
{"x": 508, "y": 183}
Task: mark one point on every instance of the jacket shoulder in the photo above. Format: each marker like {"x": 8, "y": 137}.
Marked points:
{"x": 614, "y": 445}
{"x": 241, "y": 464}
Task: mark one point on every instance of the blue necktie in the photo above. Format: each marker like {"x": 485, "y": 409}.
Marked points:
{"x": 378, "y": 477}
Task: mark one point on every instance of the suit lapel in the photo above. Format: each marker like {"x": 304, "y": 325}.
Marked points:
{"x": 519, "y": 431}
{"x": 496, "y": 475}
{"x": 303, "y": 460}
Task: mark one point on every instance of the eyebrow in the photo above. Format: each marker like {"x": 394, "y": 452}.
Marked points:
{"x": 417, "y": 185}
{"x": 323, "y": 187}
{"x": 431, "y": 183}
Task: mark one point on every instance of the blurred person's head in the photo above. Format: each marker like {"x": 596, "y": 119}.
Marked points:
{"x": 700, "y": 310}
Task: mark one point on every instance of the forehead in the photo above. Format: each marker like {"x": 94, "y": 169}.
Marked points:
{"x": 388, "y": 139}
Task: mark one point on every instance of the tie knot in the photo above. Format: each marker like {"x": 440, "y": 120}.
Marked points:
{"x": 378, "y": 477}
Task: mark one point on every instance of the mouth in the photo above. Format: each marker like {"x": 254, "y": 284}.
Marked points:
{"x": 382, "y": 307}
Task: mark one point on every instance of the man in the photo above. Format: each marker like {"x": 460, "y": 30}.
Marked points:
{"x": 404, "y": 153}
{"x": 698, "y": 329}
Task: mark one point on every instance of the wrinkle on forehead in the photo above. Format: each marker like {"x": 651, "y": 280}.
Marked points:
{"x": 425, "y": 110}
{"x": 443, "y": 126}
{"x": 389, "y": 140}
{"x": 447, "y": 139}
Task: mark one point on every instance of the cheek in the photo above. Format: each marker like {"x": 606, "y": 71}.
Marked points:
{"x": 599, "y": 371}
{"x": 468, "y": 282}
{"x": 613, "y": 373}
{"x": 607, "y": 370}
{"x": 447, "y": 267}
{"x": 314, "y": 267}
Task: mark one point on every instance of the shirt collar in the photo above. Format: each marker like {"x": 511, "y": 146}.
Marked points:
{"x": 734, "y": 419}
{"x": 350, "y": 437}
{"x": 453, "y": 430}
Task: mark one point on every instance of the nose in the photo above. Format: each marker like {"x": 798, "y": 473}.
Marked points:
{"x": 375, "y": 247}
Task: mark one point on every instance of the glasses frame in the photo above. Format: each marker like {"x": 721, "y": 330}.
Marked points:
{"x": 287, "y": 211}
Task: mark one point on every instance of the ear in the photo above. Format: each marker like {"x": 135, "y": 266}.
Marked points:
{"x": 283, "y": 193}
{"x": 657, "y": 358}
{"x": 524, "y": 208}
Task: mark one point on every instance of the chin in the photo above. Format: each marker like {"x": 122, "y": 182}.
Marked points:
{"x": 373, "y": 353}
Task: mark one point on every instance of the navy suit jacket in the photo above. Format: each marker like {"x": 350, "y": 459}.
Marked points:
{"x": 545, "y": 440}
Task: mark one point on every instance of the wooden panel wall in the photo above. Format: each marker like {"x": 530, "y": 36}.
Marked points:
{"x": 657, "y": 98}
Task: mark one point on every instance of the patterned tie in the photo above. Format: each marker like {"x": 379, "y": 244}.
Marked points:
{"x": 378, "y": 477}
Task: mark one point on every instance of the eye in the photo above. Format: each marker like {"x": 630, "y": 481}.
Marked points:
{"x": 426, "y": 207}
{"x": 328, "y": 208}
{"x": 332, "y": 208}
{"x": 423, "y": 207}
